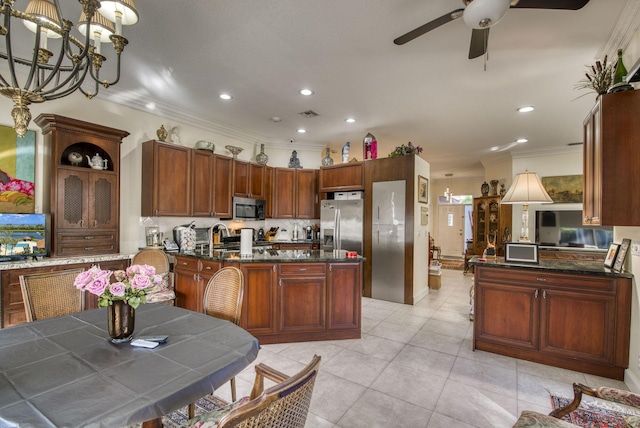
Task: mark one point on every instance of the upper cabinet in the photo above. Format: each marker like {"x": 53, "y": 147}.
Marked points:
{"x": 248, "y": 180}
{"x": 166, "y": 179}
{"x": 223, "y": 185}
{"x": 85, "y": 185}
{"x": 612, "y": 160}
{"x": 338, "y": 178}
{"x": 296, "y": 193}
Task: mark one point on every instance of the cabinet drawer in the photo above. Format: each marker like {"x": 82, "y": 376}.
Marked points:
{"x": 182, "y": 263}
{"x": 88, "y": 249}
{"x": 209, "y": 266}
{"x": 308, "y": 269}
{"x": 545, "y": 279}
{"x": 87, "y": 238}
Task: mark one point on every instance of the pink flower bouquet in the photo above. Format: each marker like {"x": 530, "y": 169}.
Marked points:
{"x": 131, "y": 285}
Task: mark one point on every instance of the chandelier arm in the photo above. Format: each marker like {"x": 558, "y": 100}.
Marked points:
{"x": 51, "y": 95}
{"x": 7, "y": 26}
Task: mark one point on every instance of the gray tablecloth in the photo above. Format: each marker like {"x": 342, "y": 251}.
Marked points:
{"x": 65, "y": 372}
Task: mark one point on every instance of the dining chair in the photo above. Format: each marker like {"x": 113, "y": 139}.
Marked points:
{"x": 284, "y": 405}
{"x": 51, "y": 294}
{"x": 223, "y": 299}
{"x": 164, "y": 292}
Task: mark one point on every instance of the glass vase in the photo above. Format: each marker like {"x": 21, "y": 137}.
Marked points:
{"x": 121, "y": 319}
{"x": 326, "y": 161}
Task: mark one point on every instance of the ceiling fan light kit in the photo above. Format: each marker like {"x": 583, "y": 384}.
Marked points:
{"x": 481, "y": 14}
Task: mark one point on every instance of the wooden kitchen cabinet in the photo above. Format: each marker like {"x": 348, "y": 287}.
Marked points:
{"x": 166, "y": 179}
{"x": 296, "y": 193}
{"x": 302, "y": 297}
{"x": 260, "y": 301}
{"x": 611, "y": 161}
{"x": 575, "y": 321}
{"x": 85, "y": 200}
{"x": 342, "y": 177}
{"x": 223, "y": 186}
{"x": 248, "y": 180}
{"x": 490, "y": 218}
{"x": 203, "y": 183}
{"x": 11, "y": 294}
{"x": 269, "y": 191}
{"x": 344, "y": 295}
{"x": 191, "y": 276}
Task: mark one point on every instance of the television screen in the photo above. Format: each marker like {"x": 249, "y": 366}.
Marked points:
{"x": 23, "y": 235}
{"x": 565, "y": 229}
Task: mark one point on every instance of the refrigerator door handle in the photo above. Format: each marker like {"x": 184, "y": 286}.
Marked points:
{"x": 336, "y": 235}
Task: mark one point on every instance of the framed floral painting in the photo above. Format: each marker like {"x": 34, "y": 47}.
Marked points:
{"x": 423, "y": 190}
{"x": 17, "y": 171}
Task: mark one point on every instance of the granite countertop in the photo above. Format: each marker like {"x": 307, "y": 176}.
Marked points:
{"x": 560, "y": 266}
{"x": 55, "y": 261}
{"x": 275, "y": 256}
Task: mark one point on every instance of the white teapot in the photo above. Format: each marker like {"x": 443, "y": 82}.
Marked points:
{"x": 97, "y": 162}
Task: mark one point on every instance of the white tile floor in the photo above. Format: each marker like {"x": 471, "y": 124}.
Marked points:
{"x": 414, "y": 367}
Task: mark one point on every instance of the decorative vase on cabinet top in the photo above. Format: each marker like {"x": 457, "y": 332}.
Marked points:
{"x": 326, "y": 161}
{"x": 485, "y": 189}
{"x": 261, "y": 157}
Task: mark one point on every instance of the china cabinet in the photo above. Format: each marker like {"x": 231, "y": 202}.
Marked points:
{"x": 491, "y": 219}
{"x": 84, "y": 186}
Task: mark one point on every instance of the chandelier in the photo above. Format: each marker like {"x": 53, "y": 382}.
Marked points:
{"x": 46, "y": 75}
{"x": 448, "y": 194}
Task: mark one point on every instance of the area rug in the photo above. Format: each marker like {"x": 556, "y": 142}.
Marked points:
{"x": 595, "y": 414}
{"x": 203, "y": 405}
{"x": 452, "y": 264}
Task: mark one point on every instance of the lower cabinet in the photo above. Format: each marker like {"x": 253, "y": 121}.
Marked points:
{"x": 285, "y": 302}
{"x": 191, "y": 276}
{"x": 12, "y": 303}
{"x": 575, "y": 321}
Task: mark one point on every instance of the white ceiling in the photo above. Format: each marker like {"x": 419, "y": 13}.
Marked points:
{"x": 183, "y": 54}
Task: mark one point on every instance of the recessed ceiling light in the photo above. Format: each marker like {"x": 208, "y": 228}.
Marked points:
{"x": 525, "y": 109}
{"x": 225, "y": 96}
{"x": 349, "y": 120}
{"x": 521, "y": 140}
{"x": 276, "y": 119}
{"x": 151, "y": 106}
{"x": 494, "y": 148}
{"x": 301, "y": 131}
{"x": 306, "y": 92}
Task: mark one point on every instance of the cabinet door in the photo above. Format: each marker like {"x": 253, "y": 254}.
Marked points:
{"x": 342, "y": 177}
{"x": 578, "y": 325}
{"x": 480, "y": 208}
{"x": 307, "y": 194}
{"x": 72, "y": 211}
{"x": 285, "y": 199}
{"x": 507, "y": 315}
{"x": 344, "y": 295}
{"x": 166, "y": 180}
{"x": 241, "y": 179}
{"x": 302, "y": 297}
{"x": 259, "y": 300}
{"x": 203, "y": 182}
{"x": 256, "y": 181}
{"x": 103, "y": 201}
{"x": 592, "y": 168}
{"x": 188, "y": 287}
{"x": 222, "y": 170}
{"x": 269, "y": 192}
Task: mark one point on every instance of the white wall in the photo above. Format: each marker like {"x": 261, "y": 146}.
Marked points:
{"x": 421, "y": 234}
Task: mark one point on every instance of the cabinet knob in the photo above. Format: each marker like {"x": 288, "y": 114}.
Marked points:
{"x": 302, "y": 269}
{"x": 88, "y": 248}
{"x": 88, "y": 237}
{"x": 541, "y": 279}
{"x": 208, "y": 267}
{"x": 535, "y": 295}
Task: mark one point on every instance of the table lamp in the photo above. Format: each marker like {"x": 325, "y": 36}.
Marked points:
{"x": 526, "y": 189}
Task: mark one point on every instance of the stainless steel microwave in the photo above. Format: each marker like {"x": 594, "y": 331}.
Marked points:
{"x": 248, "y": 209}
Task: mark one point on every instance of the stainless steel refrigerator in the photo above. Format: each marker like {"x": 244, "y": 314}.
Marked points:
{"x": 341, "y": 224}
{"x": 387, "y": 240}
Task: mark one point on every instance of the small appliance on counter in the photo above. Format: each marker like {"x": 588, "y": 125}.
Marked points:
{"x": 260, "y": 236}
{"x": 185, "y": 237}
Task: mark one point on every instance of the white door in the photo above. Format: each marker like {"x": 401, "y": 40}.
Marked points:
{"x": 451, "y": 230}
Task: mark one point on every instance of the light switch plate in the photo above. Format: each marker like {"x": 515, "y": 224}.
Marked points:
{"x": 635, "y": 248}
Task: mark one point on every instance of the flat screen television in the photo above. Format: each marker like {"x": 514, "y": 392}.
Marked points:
{"x": 23, "y": 236}
{"x": 565, "y": 229}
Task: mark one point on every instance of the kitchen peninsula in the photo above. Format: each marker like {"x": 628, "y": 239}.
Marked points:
{"x": 570, "y": 314}
{"x": 289, "y": 295}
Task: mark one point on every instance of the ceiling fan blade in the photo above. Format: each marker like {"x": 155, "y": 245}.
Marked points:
{"x": 551, "y": 4}
{"x": 432, "y": 25}
{"x": 479, "y": 41}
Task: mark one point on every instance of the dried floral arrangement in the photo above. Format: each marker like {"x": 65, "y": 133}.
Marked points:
{"x": 599, "y": 77}
{"x": 405, "y": 149}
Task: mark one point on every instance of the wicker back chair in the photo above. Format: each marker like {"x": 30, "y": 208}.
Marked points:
{"x": 284, "y": 405}
{"x": 158, "y": 259}
{"x": 48, "y": 295}
{"x": 223, "y": 295}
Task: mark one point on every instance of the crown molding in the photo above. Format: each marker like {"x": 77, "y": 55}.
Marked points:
{"x": 627, "y": 24}
{"x": 549, "y": 151}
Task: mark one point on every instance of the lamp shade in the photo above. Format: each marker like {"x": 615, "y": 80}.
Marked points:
{"x": 100, "y": 26}
{"x": 526, "y": 189}
{"x": 45, "y": 11}
{"x": 485, "y": 13}
{"x": 126, "y": 8}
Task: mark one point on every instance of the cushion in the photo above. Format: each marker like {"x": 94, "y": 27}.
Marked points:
{"x": 210, "y": 420}
{"x": 165, "y": 284}
{"x": 538, "y": 420}
{"x": 161, "y": 296}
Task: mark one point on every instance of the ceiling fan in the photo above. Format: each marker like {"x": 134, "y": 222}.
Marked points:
{"x": 480, "y": 15}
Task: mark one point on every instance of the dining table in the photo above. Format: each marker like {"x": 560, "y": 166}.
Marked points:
{"x": 66, "y": 372}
